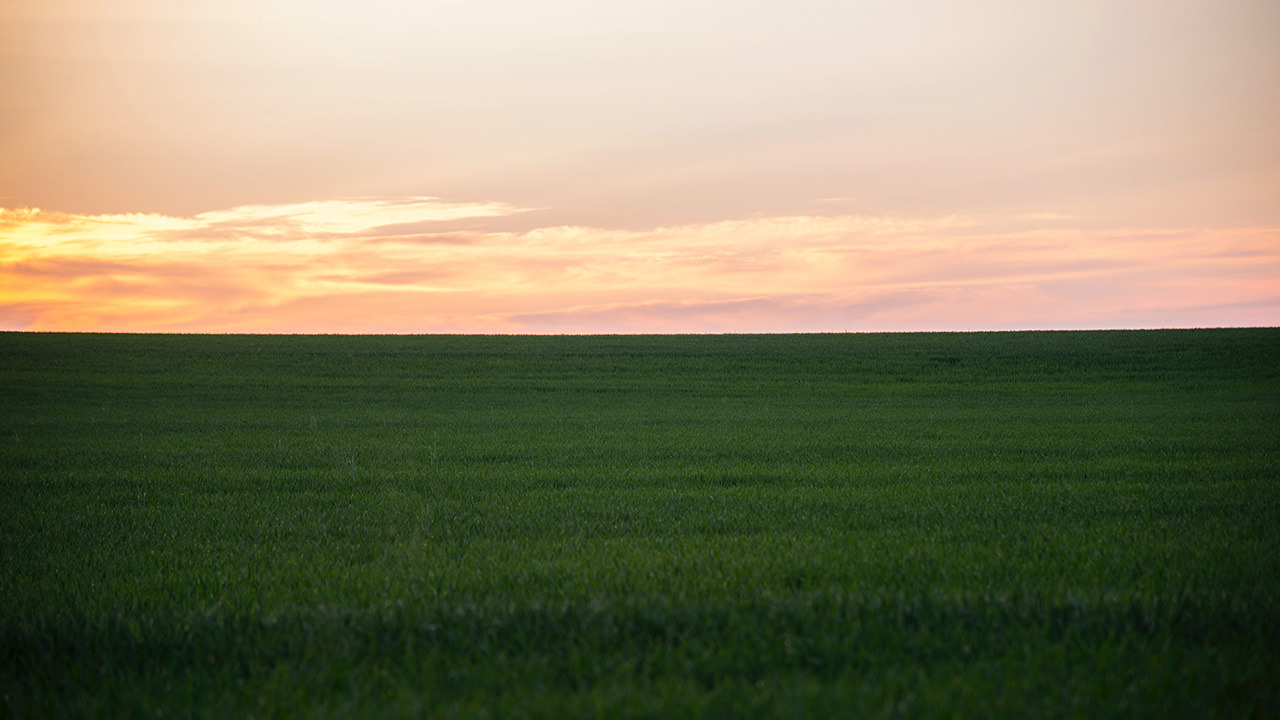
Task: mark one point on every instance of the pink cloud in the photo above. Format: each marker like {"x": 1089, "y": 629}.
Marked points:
{"x": 374, "y": 265}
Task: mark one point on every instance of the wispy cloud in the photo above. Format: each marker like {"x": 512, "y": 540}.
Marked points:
{"x": 400, "y": 265}
{"x": 361, "y": 216}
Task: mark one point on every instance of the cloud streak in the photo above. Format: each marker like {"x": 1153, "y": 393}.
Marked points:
{"x": 403, "y": 265}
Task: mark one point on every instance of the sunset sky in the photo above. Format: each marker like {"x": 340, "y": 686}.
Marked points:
{"x": 661, "y": 166}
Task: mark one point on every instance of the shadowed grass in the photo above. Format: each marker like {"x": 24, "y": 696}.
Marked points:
{"x": 1005, "y": 524}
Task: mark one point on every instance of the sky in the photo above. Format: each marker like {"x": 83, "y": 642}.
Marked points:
{"x": 574, "y": 166}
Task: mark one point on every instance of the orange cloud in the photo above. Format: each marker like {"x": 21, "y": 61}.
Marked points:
{"x": 403, "y": 265}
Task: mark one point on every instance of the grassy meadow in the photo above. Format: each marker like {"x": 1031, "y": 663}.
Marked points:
{"x": 1065, "y": 524}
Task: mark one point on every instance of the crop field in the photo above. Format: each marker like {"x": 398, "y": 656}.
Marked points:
{"x": 1039, "y": 524}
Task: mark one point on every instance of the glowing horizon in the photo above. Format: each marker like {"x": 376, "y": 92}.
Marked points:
{"x": 393, "y": 265}
{"x": 583, "y": 167}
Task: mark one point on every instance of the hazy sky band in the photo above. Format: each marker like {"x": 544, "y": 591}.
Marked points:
{"x": 315, "y": 267}
{"x": 693, "y": 166}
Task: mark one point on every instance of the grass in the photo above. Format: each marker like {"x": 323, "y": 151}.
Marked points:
{"x": 1076, "y": 524}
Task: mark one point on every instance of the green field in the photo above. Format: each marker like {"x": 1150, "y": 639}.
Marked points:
{"x": 1081, "y": 524}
